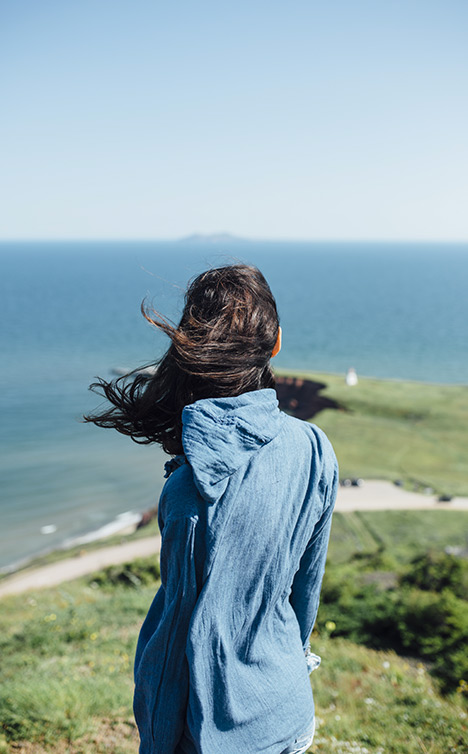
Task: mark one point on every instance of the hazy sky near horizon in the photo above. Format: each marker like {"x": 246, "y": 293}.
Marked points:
{"x": 298, "y": 119}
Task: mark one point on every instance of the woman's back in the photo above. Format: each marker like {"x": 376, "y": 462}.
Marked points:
{"x": 245, "y": 522}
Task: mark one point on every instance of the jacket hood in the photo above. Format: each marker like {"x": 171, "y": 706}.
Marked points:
{"x": 220, "y": 435}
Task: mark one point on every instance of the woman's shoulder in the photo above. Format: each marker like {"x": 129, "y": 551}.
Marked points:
{"x": 311, "y": 438}
{"x": 313, "y": 432}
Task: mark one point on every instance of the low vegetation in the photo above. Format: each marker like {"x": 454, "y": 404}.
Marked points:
{"x": 374, "y": 602}
{"x": 67, "y": 653}
{"x": 390, "y": 583}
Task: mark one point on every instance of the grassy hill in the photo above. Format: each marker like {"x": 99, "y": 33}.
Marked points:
{"x": 391, "y": 429}
{"x": 402, "y": 532}
{"x": 67, "y": 682}
{"x": 67, "y": 654}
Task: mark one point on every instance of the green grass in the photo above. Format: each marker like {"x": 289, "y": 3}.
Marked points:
{"x": 66, "y": 658}
{"x": 390, "y": 429}
{"x": 67, "y": 682}
{"x": 376, "y": 702}
{"x": 403, "y": 532}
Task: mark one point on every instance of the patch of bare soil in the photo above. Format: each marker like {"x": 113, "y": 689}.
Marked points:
{"x": 108, "y": 737}
{"x": 301, "y": 397}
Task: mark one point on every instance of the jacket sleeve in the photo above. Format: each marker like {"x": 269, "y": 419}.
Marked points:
{"x": 307, "y": 583}
{"x": 162, "y": 677}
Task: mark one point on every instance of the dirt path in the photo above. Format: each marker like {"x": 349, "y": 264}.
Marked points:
{"x": 372, "y": 496}
{"x": 379, "y": 495}
{"x": 81, "y": 565}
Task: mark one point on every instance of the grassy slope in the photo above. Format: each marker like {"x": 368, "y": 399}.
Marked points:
{"x": 67, "y": 682}
{"x": 399, "y": 430}
{"x": 67, "y": 653}
{"x": 404, "y": 533}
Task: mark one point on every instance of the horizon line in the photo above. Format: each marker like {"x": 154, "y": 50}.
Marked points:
{"x": 211, "y": 237}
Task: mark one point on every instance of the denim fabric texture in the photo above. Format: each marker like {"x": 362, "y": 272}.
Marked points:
{"x": 245, "y": 518}
{"x": 302, "y": 743}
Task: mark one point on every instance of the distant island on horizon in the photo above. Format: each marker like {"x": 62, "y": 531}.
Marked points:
{"x": 212, "y": 238}
{"x": 220, "y": 238}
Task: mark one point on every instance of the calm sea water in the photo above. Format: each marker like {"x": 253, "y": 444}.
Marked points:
{"x": 70, "y": 311}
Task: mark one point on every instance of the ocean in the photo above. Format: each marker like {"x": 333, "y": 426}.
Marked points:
{"x": 71, "y": 311}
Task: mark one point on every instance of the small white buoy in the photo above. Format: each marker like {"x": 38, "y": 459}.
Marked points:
{"x": 48, "y": 529}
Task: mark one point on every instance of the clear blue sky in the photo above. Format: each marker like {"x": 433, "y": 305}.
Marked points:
{"x": 339, "y": 119}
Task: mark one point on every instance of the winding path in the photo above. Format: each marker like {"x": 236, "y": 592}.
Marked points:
{"x": 372, "y": 496}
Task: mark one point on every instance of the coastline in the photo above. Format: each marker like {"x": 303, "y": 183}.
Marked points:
{"x": 374, "y": 495}
{"x": 123, "y": 524}
{"x": 298, "y": 371}
{"x": 380, "y": 429}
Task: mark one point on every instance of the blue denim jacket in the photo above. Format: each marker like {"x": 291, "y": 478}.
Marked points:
{"x": 245, "y": 519}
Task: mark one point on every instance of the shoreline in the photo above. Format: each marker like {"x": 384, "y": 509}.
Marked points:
{"x": 374, "y": 495}
{"x": 341, "y": 409}
{"x": 123, "y": 524}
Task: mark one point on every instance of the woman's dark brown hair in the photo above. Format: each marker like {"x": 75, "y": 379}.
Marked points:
{"x": 221, "y": 347}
